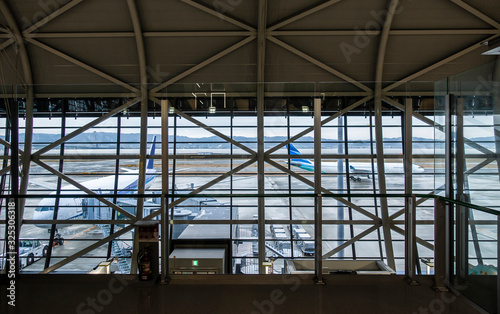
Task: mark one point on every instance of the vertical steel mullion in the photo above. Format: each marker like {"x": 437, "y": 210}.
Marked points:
{"x": 53, "y": 228}
{"x": 165, "y": 239}
{"x": 143, "y": 145}
{"x": 440, "y": 245}
{"x": 318, "y": 204}
{"x": 28, "y": 146}
{"x": 340, "y": 185}
{"x": 5, "y": 164}
{"x": 174, "y": 174}
{"x": 410, "y": 202}
{"x": 348, "y": 183}
{"x": 465, "y": 188}
{"x": 462, "y": 212}
{"x": 410, "y": 240}
{"x": 231, "y": 187}
{"x": 408, "y": 147}
{"x": 14, "y": 186}
{"x": 449, "y": 193}
{"x": 290, "y": 210}
{"x": 374, "y": 186}
{"x": 117, "y": 170}
{"x": 261, "y": 56}
{"x": 379, "y": 141}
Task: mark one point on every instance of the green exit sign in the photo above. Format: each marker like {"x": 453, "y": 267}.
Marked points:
{"x": 195, "y": 263}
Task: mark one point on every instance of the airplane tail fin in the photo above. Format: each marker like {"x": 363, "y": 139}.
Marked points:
{"x": 150, "y": 163}
{"x": 295, "y": 151}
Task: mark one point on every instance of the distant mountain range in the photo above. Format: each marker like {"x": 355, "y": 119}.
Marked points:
{"x": 107, "y": 140}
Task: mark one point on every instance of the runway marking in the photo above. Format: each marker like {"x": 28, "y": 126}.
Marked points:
{"x": 82, "y": 232}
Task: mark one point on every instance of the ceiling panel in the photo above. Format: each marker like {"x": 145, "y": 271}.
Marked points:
{"x": 100, "y": 33}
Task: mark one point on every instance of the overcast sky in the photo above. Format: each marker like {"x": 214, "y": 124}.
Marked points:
{"x": 480, "y": 126}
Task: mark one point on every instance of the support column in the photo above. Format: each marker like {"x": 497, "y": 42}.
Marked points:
{"x": 410, "y": 240}
{"x": 340, "y": 182}
{"x": 496, "y": 110}
{"x": 449, "y": 193}
{"x": 30, "y": 97}
{"x": 440, "y": 243}
{"x": 261, "y": 57}
{"x": 165, "y": 240}
{"x": 408, "y": 147}
{"x": 410, "y": 202}
{"x": 462, "y": 212}
{"x": 379, "y": 140}
{"x": 134, "y": 15}
{"x": 318, "y": 200}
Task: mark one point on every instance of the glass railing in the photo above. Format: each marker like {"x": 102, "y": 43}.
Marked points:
{"x": 477, "y": 256}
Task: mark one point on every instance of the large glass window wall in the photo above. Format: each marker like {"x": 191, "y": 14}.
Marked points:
{"x": 217, "y": 138}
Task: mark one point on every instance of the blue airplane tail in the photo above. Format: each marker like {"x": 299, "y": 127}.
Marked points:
{"x": 151, "y": 161}
{"x": 295, "y": 151}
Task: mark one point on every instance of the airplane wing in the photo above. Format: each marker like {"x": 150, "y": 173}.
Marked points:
{"x": 128, "y": 170}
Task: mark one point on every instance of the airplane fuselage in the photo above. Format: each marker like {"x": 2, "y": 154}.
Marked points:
{"x": 72, "y": 208}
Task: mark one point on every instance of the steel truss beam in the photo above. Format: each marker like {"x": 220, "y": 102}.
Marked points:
{"x": 220, "y": 15}
{"x": 82, "y": 65}
{"x": 351, "y": 241}
{"x": 477, "y": 13}
{"x": 215, "y": 132}
{"x": 144, "y": 34}
{"x": 401, "y": 32}
{"x": 325, "y": 121}
{"x": 100, "y": 197}
{"x": 86, "y": 127}
{"x": 88, "y": 249}
{"x": 149, "y": 217}
{"x": 6, "y": 43}
{"x": 409, "y": 32}
{"x": 438, "y": 64}
{"x": 470, "y": 171}
{"x": 323, "y": 190}
{"x": 377, "y": 222}
{"x": 211, "y": 130}
{"x": 419, "y": 240}
{"x": 203, "y": 64}
{"x": 205, "y": 186}
{"x": 437, "y": 126}
{"x": 319, "y": 64}
{"x": 303, "y": 14}
{"x": 51, "y": 16}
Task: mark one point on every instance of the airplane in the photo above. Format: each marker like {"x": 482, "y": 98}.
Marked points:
{"x": 360, "y": 168}
{"x": 77, "y": 208}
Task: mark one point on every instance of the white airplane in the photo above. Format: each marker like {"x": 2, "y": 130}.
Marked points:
{"x": 76, "y": 208}
{"x": 359, "y": 168}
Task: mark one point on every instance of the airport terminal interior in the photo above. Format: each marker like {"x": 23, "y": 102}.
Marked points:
{"x": 250, "y": 156}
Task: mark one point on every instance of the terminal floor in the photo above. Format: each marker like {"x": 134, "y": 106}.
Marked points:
{"x": 229, "y": 294}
